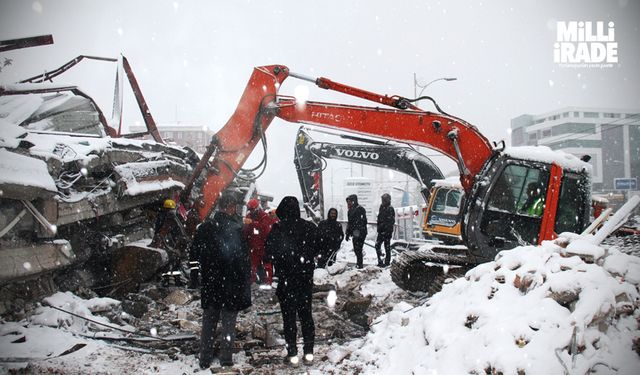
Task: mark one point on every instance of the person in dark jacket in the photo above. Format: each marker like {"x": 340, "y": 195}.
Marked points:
{"x": 291, "y": 247}
{"x": 330, "y": 236}
{"x": 356, "y": 227}
{"x": 386, "y": 221}
{"x": 224, "y": 260}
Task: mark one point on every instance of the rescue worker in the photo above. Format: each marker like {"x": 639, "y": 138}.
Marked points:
{"x": 386, "y": 221}
{"x": 256, "y": 229}
{"x": 224, "y": 259}
{"x": 534, "y": 205}
{"x": 291, "y": 246}
{"x": 356, "y": 227}
{"x": 330, "y": 236}
{"x": 167, "y": 225}
{"x": 169, "y": 234}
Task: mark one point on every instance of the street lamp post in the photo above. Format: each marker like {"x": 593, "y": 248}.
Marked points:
{"x": 333, "y": 170}
{"x": 423, "y": 87}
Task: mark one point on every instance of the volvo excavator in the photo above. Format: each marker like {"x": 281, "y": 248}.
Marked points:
{"x": 496, "y": 180}
{"x": 310, "y": 156}
{"x": 443, "y": 201}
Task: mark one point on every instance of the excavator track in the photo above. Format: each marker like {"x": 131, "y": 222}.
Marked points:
{"x": 426, "y": 271}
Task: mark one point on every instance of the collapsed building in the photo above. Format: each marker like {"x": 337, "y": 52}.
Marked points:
{"x": 74, "y": 193}
{"x": 69, "y": 193}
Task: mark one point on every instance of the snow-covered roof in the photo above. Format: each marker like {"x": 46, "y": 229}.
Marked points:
{"x": 546, "y": 155}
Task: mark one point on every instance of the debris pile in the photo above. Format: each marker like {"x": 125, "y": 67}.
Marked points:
{"x": 564, "y": 307}
{"x": 71, "y": 195}
{"x": 158, "y": 327}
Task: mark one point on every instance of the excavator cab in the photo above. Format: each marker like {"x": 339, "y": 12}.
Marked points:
{"x": 443, "y": 212}
{"x": 521, "y": 202}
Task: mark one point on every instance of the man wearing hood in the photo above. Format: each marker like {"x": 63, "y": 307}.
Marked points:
{"x": 356, "y": 227}
{"x": 224, "y": 259}
{"x": 330, "y": 236}
{"x": 386, "y": 221}
{"x": 291, "y": 248}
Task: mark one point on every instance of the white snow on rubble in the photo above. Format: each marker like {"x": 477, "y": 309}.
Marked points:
{"x": 503, "y": 316}
{"x": 25, "y": 171}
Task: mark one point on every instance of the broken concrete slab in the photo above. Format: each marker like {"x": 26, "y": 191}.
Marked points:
{"x": 178, "y": 297}
{"x": 24, "y": 262}
{"x": 136, "y": 263}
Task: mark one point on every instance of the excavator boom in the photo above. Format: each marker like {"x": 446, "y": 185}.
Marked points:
{"x": 460, "y": 141}
{"x": 231, "y": 146}
{"x": 260, "y": 103}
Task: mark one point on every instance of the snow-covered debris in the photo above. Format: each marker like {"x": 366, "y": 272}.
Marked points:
{"x": 21, "y": 170}
{"x": 534, "y": 310}
{"x": 54, "y": 154}
{"x": 67, "y": 301}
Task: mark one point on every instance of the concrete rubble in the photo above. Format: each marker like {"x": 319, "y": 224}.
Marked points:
{"x": 167, "y": 320}
{"x": 72, "y": 197}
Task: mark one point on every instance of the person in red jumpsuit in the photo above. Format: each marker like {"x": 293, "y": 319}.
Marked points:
{"x": 257, "y": 227}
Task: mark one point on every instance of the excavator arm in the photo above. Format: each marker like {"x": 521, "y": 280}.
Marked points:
{"x": 260, "y": 103}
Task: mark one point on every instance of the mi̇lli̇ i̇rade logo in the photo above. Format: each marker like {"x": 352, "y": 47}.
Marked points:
{"x": 585, "y": 45}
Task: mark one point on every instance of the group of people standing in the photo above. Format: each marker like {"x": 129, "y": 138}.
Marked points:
{"x": 234, "y": 253}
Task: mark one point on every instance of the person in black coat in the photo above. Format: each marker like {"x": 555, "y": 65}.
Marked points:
{"x": 386, "y": 221}
{"x": 330, "y": 236}
{"x": 291, "y": 247}
{"x": 356, "y": 227}
{"x": 224, "y": 261}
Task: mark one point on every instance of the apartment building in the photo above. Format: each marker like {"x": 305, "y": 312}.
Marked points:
{"x": 196, "y": 137}
{"x": 610, "y": 136}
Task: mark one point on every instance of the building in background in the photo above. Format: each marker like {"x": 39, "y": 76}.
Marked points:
{"x": 610, "y": 136}
{"x": 195, "y": 137}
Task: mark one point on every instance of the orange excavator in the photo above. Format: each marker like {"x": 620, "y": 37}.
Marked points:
{"x": 500, "y": 183}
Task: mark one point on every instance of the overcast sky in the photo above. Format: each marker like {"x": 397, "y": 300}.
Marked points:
{"x": 193, "y": 58}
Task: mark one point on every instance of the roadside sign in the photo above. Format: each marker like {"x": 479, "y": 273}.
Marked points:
{"x": 625, "y": 183}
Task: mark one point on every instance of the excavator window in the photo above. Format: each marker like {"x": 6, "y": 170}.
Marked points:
{"x": 515, "y": 203}
{"x": 447, "y": 201}
{"x": 571, "y": 211}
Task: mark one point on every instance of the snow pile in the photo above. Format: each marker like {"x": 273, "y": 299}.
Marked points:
{"x": 10, "y": 134}
{"x": 22, "y": 170}
{"x": 67, "y": 301}
{"x": 534, "y": 310}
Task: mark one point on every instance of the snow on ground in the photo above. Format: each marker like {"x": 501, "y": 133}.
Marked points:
{"x": 538, "y": 310}
{"x": 504, "y": 316}
{"x": 36, "y": 343}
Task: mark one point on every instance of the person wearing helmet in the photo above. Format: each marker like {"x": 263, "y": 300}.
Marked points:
{"x": 386, "y": 221}
{"x": 256, "y": 229}
{"x": 534, "y": 205}
{"x": 168, "y": 229}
